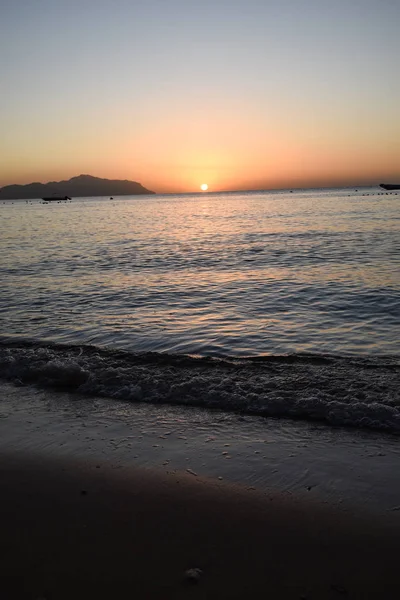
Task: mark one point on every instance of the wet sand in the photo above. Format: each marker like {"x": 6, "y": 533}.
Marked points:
{"x": 86, "y": 529}
{"x": 339, "y": 466}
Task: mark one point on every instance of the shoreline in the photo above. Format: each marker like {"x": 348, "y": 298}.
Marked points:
{"x": 334, "y": 465}
{"x": 84, "y": 529}
{"x": 360, "y": 392}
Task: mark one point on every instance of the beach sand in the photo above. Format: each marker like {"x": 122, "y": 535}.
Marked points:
{"x": 84, "y": 529}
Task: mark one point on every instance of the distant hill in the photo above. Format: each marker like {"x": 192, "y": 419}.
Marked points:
{"x": 83, "y": 185}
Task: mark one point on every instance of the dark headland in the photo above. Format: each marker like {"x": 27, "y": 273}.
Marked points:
{"x": 83, "y": 185}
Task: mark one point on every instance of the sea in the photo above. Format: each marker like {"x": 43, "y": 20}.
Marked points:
{"x": 278, "y": 306}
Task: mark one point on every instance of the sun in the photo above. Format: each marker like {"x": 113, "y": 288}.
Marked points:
{"x": 204, "y": 187}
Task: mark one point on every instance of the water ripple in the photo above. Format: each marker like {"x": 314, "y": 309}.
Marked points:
{"x": 238, "y": 274}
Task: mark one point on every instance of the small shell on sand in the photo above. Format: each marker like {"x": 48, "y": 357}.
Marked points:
{"x": 193, "y": 575}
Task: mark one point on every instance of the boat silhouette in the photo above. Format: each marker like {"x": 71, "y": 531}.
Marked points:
{"x": 55, "y": 198}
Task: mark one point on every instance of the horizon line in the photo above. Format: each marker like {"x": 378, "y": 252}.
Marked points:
{"x": 208, "y": 192}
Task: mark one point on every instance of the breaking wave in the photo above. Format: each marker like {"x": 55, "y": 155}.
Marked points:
{"x": 338, "y": 390}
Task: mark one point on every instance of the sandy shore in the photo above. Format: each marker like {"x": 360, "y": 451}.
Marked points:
{"x": 88, "y": 530}
{"x": 339, "y": 466}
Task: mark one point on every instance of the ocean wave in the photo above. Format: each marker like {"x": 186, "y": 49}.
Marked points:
{"x": 339, "y": 390}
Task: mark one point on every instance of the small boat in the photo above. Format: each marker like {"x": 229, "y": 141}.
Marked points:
{"x": 55, "y": 198}
{"x": 390, "y": 186}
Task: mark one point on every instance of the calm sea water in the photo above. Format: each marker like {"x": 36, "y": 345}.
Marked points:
{"x": 233, "y": 274}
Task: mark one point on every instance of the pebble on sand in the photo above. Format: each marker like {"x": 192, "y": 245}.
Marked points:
{"x": 339, "y": 589}
{"x": 193, "y": 575}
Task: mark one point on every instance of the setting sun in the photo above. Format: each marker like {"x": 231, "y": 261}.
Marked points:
{"x": 204, "y": 187}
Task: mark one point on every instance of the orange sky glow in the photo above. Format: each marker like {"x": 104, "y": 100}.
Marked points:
{"x": 226, "y": 155}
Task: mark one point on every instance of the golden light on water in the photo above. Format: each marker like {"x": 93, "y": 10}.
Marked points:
{"x": 204, "y": 187}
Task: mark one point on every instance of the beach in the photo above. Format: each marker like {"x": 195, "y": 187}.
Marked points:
{"x": 83, "y": 515}
{"x": 199, "y": 397}
{"x": 199, "y": 300}
{"x": 79, "y": 529}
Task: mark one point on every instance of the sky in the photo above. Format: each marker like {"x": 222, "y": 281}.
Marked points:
{"x": 238, "y": 94}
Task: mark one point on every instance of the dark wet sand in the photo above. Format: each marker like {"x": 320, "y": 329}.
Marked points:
{"x": 74, "y": 530}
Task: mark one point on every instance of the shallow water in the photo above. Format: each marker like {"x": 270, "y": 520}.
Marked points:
{"x": 233, "y": 274}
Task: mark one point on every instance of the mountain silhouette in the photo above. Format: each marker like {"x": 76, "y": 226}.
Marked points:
{"x": 83, "y": 185}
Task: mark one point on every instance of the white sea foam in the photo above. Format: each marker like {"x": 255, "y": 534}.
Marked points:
{"x": 358, "y": 391}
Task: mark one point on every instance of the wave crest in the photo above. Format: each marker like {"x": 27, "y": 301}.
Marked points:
{"x": 346, "y": 391}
